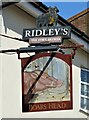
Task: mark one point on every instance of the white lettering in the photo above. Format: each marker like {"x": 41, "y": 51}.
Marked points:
{"x": 44, "y": 32}
{"x": 33, "y": 33}
{"x": 65, "y": 32}
{"x": 38, "y": 33}
{"x": 57, "y": 31}
{"x": 51, "y": 32}
{"x": 27, "y": 34}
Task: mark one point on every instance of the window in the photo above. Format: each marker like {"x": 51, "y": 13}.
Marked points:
{"x": 84, "y": 90}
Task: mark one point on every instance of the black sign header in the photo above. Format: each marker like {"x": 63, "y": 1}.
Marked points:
{"x": 63, "y": 31}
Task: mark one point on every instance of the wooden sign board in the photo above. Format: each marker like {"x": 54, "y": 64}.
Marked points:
{"x": 47, "y": 82}
{"x": 49, "y": 34}
{"x": 45, "y": 40}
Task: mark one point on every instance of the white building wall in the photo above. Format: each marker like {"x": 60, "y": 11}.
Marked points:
{"x": 13, "y": 22}
{"x": 0, "y": 70}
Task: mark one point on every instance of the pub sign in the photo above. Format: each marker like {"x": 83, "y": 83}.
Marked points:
{"x": 47, "y": 30}
{"x": 47, "y": 76}
{"x": 49, "y": 34}
{"x": 47, "y": 82}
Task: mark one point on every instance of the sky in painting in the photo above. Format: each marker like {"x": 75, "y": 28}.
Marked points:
{"x": 68, "y": 9}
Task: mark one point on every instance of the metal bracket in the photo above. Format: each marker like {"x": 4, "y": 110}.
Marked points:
{"x": 74, "y": 48}
{"x": 36, "y": 49}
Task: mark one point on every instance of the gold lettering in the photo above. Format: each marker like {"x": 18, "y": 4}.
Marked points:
{"x": 51, "y": 105}
{"x": 57, "y": 105}
{"x": 38, "y": 107}
{"x": 63, "y": 105}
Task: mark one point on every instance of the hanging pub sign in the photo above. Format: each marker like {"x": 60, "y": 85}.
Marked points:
{"x": 47, "y": 82}
{"x": 47, "y": 76}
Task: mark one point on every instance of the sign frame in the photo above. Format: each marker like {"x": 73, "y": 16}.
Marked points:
{"x": 63, "y": 105}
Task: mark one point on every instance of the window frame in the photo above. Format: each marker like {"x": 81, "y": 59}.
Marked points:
{"x": 83, "y": 96}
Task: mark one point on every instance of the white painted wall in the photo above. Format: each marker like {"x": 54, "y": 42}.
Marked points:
{"x": 13, "y": 22}
{"x": 0, "y": 69}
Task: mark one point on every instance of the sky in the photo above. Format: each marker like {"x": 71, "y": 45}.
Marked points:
{"x": 68, "y": 9}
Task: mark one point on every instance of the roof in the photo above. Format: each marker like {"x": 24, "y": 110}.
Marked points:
{"x": 6, "y": 4}
{"x": 78, "y": 15}
{"x": 61, "y": 20}
{"x": 80, "y": 21}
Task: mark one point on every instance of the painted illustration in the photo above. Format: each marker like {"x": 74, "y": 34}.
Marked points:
{"x": 47, "y": 82}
